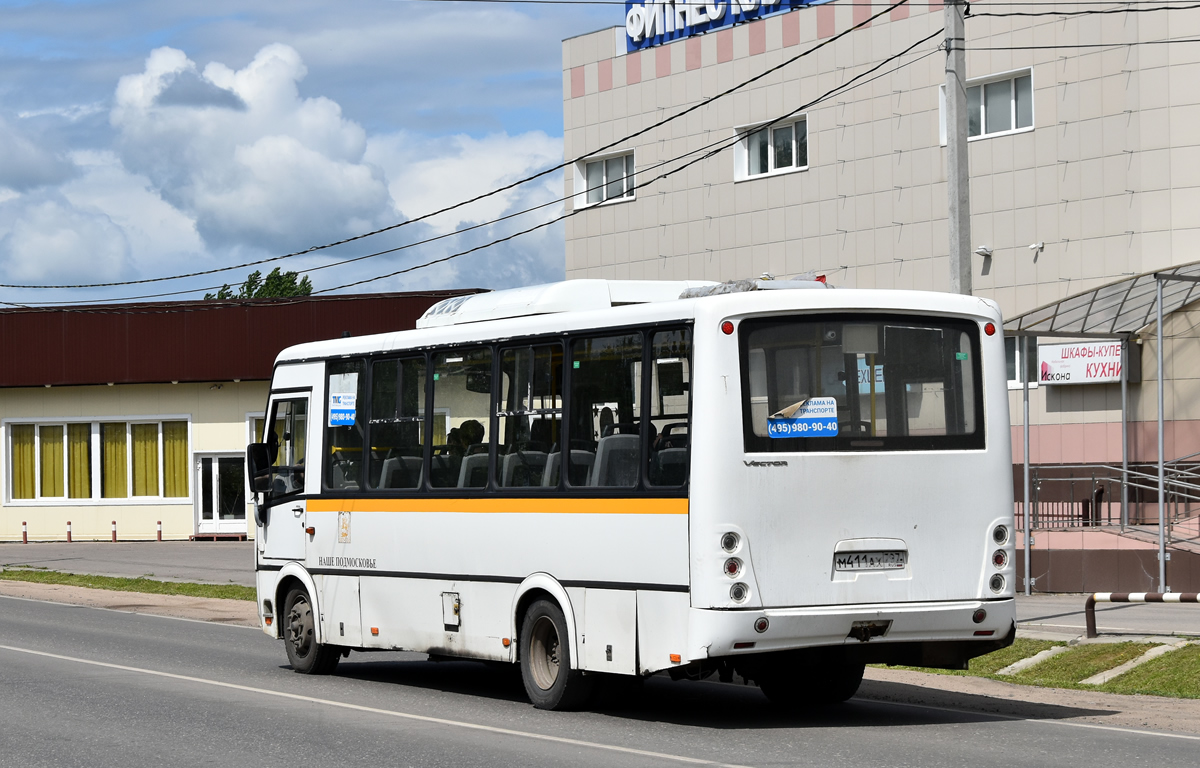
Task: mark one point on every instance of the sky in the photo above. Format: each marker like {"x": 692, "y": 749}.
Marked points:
{"x": 141, "y": 139}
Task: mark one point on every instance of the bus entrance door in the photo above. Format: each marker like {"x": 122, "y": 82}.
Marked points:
{"x": 282, "y": 528}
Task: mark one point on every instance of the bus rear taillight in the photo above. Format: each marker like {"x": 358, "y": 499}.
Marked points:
{"x": 999, "y": 558}
{"x": 979, "y": 616}
{"x": 733, "y": 567}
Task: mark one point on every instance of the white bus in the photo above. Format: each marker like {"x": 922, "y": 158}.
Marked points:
{"x": 595, "y": 479}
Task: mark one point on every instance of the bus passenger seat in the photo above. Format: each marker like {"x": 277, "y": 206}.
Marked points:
{"x": 669, "y": 466}
{"x": 473, "y": 473}
{"x": 616, "y": 461}
{"x": 523, "y": 468}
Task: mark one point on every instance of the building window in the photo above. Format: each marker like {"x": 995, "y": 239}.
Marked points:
{"x": 996, "y": 105}
{"x": 775, "y": 148}
{"x": 1013, "y": 349}
{"x": 603, "y": 180}
{"x": 129, "y": 460}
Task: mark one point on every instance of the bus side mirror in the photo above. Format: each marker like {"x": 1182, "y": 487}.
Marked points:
{"x": 258, "y": 467}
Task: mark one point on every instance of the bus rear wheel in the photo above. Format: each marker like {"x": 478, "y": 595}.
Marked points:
{"x": 550, "y": 683}
{"x": 307, "y": 656}
{"x": 812, "y": 685}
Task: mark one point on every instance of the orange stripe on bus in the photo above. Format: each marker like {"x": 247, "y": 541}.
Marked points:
{"x": 507, "y": 506}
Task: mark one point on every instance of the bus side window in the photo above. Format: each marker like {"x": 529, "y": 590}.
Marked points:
{"x": 289, "y": 427}
{"x": 462, "y": 390}
{"x": 670, "y": 408}
{"x": 397, "y": 423}
{"x": 605, "y": 418}
{"x": 530, "y": 417}
{"x": 344, "y": 426}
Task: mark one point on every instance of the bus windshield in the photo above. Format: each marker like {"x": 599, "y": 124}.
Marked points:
{"x": 861, "y": 383}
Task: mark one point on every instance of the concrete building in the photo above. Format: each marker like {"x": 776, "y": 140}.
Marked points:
{"x": 136, "y": 415}
{"x": 1085, "y": 171}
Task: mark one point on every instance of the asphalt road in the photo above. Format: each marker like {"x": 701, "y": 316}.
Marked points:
{"x": 233, "y": 562}
{"x": 83, "y": 686}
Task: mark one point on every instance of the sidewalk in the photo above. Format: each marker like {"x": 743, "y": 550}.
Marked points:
{"x": 1061, "y": 617}
{"x": 205, "y": 562}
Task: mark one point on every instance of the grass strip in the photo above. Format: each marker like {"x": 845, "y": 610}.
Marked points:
{"x": 1174, "y": 674}
{"x": 122, "y": 584}
{"x": 1080, "y": 663}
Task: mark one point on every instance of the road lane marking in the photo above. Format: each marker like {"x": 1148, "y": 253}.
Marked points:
{"x": 376, "y": 711}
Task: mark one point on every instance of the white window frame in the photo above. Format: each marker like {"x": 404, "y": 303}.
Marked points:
{"x": 1017, "y": 383}
{"x": 581, "y": 183}
{"x": 96, "y": 499}
{"x": 1011, "y": 76}
{"x": 741, "y": 154}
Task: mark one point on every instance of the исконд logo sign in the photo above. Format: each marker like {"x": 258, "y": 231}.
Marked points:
{"x": 655, "y": 22}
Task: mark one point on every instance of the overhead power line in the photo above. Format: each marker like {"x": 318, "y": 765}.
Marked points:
{"x": 718, "y": 147}
{"x": 485, "y": 195}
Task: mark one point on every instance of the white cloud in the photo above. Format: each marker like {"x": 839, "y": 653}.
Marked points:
{"x": 427, "y": 174}
{"x": 160, "y": 236}
{"x": 279, "y": 173}
{"x": 26, "y": 164}
{"x": 46, "y": 239}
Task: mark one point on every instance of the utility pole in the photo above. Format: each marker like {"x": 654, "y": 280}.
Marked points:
{"x": 959, "y": 183}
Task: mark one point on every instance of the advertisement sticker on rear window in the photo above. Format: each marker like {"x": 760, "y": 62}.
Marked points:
{"x": 814, "y": 417}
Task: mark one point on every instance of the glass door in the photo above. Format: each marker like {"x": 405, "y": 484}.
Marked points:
{"x": 220, "y": 494}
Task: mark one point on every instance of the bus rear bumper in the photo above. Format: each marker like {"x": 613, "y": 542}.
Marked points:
{"x": 942, "y": 625}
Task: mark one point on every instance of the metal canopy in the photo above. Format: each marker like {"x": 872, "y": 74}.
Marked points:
{"x": 1113, "y": 310}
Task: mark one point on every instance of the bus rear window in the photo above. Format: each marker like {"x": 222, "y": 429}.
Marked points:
{"x": 861, "y": 383}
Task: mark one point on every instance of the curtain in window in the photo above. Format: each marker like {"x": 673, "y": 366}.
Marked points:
{"x": 79, "y": 461}
{"x": 175, "y": 458}
{"x": 22, "y": 461}
{"x": 113, "y": 483}
{"x": 50, "y": 439}
{"x": 145, "y": 459}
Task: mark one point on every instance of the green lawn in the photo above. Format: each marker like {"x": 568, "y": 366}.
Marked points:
{"x": 1081, "y": 662}
{"x": 118, "y": 584}
{"x": 1175, "y": 674}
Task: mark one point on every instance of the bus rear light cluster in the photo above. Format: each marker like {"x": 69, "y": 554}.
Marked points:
{"x": 997, "y": 583}
{"x": 733, "y": 567}
{"x": 739, "y": 592}
{"x": 999, "y": 558}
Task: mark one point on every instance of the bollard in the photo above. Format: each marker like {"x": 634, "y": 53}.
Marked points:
{"x": 68, "y": 531}
{"x": 114, "y": 532}
{"x": 160, "y": 530}
{"x": 24, "y": 532}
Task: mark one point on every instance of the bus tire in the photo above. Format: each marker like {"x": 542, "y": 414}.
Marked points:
{"x": 811, "y": 686}
{"x": 550, "y": 683}
{"x": 306, "y": 655}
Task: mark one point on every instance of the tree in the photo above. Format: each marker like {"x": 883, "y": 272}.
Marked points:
{"x": 277, "y": 285}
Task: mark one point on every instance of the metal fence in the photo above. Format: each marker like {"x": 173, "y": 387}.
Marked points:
{"x": 1073, "y": 496}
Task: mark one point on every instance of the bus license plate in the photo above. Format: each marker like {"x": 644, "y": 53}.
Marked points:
{"x": 870, "y": 561}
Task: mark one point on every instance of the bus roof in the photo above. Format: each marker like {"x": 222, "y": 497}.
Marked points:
{"x": 568, "y": 296}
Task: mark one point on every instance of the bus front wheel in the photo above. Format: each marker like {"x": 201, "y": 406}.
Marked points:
{"x": 546, "y": 670}
{"x": 307, "y": 656}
